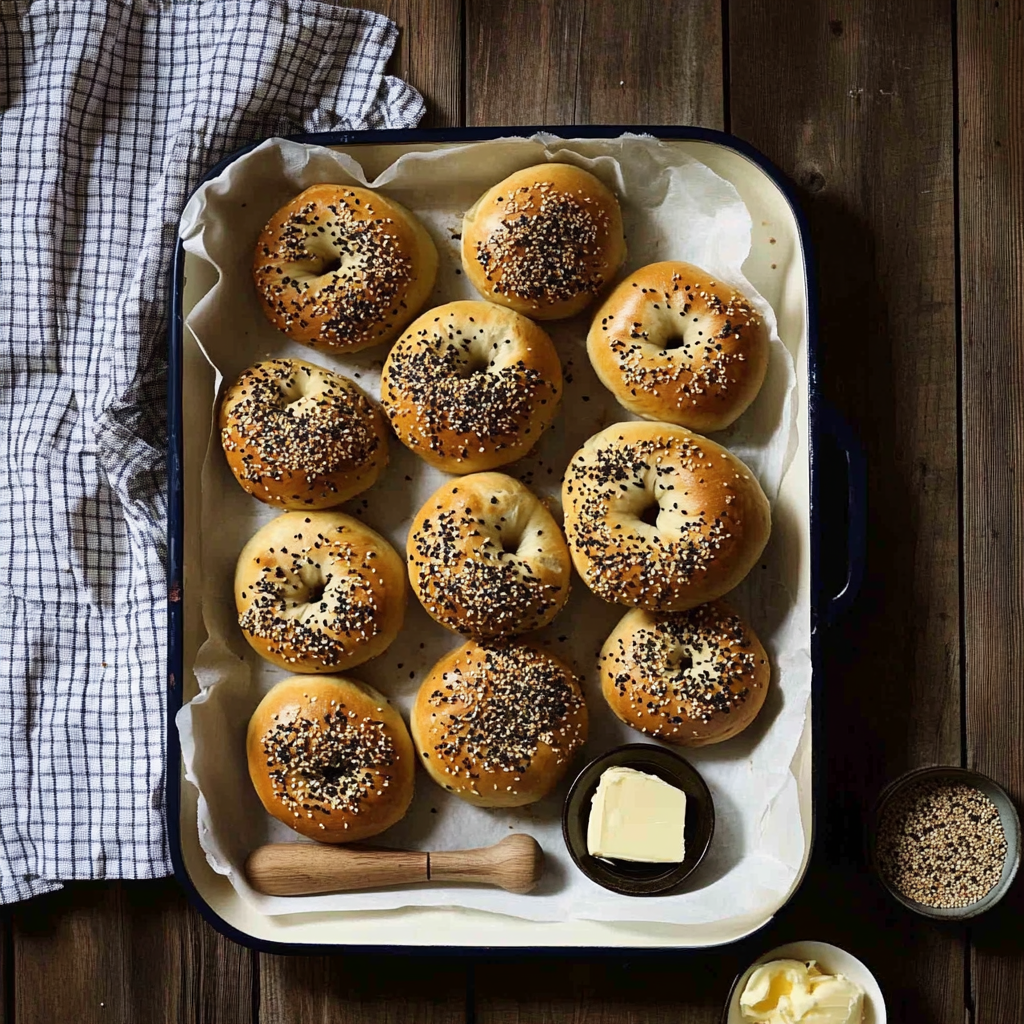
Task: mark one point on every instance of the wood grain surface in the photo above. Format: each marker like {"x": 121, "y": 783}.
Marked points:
{"x": 428, "y": 54}
{"x": 362, "y": 990}
{"x": 856, "y": 105}
{"x": 131, "y": 952}
{"x": 547, "y": 62}
{"x": 862, "y": 103}
{"x": 990, "y": 64}
{"x": 6, "y": 959}
{"x": 581, "y": 58}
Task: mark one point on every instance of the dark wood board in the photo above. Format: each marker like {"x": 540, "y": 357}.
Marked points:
{"x": 362, "y": 990}
{"x": 554, "y": 63}
{"x": 990, "y": 68}
{"x": 429, "y": 53}
{"x": 547, "y": 62}
{"x": 6, "y": 962}
{"x": 125, "y": 951}
{"x": 855, "y": 104}
{"x": 625, "y": 988}
{"x": 857, "y": 101}
{"x": 365, "y": 989}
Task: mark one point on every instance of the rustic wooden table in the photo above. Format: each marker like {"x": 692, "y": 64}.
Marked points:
{"x": 903, "y": 125}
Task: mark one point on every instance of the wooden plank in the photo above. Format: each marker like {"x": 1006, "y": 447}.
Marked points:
{"x": 136, "y": 951}
{"x": 368, "y": 989}
{"x": 601, "y": 62}
{"x": 990, "y": 50}
{"x": 606, "y": 990}
{"x": 545, "y": 62}
{"x": 6, "y": 980}
{"x": 854, "y": 100}
{"x": 362, "y": 990}
{"x": 125, "y": 951}
{"x": 429, "y": 53}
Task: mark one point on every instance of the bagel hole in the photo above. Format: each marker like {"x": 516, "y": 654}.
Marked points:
{"x": 289, "y": 391}
{"x": 650, "y": 514}
{"x": 334, "y": 773}
{"x": 674, "y": 342}
{"x": 474, "y": 362}
{"x": 331, "y": 266}
{"x": 510, "y": 544}
{"x": 316, "y": 593}
{"x": 683, "y": 663}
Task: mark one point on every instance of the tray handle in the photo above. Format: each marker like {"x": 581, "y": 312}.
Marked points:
{"x": 833, "y": 426}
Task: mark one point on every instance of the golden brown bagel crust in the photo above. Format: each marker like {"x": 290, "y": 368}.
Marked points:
{"x": 497, "y": 724}
{"x": 544, "y": 241}
{"x": 471, "y": 386}
{"x": 331, "y": 758}
{"x": 298, "y": 436}
{"x": 692, "y": 678}
{"x": 319, "y": 592}
{"x": 672, "y": 343}
{"x": 713, "y": 519}
{"x": 341, "y": 268}
{"x": 486, "y": 558}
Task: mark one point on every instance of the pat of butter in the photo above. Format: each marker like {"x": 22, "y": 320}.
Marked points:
{"x": 636, "y": 816}
{"x": 794, "y": 992}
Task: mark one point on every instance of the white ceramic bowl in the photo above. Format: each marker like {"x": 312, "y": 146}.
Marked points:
{"x": 831, "y": 960}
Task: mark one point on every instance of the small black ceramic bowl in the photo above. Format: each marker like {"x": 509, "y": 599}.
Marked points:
{"x": 627, "y": 877}
{"x": 1007, "y": 815}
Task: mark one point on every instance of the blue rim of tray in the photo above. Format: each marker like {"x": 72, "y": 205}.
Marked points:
{"x": 820, "y": 417}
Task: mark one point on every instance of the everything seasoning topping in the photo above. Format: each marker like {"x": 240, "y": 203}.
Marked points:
{"x": 690, "y": 667}
{"x": 622, "y": 554}
{"x": 337, "y": 266}
{"x": 295, "y": 418}
{"x": 330, "y": 762}
{"x": 941, "y": 844}
{"x": 693, "y": 344}
{"x": 461, "y": 379}
{"x": 547, "y": 247}
{"x": 497, "y": 705}
{"x": 316, "y": 602}
{"x": 469, "y": 582}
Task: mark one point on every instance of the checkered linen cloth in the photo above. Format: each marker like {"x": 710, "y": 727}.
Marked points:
{"x": 109, "y": 114}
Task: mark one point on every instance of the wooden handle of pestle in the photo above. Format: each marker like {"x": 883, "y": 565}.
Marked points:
{"x": 301, "y": 869}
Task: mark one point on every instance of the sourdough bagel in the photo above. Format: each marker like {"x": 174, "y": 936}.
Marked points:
{"x": 544, "y": 241}
{"x": 486, "y": 558}
{"x": 319, "y": 592}
{"x": 341, "y": 268}
{"x": 661, "y": 518}
{"x": 674, "y": 344}
{"x": 471, "y": 386}
{"x": 299, "y": 436}
{"x": 498, "y": 723}
{"x": 331, "y": 758}
{"x": 693, "y": 678}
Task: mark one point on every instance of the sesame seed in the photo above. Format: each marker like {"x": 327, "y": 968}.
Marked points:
{"x": 941, "y": 844}
{"x": 499, "y": 705}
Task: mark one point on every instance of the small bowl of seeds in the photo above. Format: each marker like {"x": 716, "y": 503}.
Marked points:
{"x": 946, "y": 842}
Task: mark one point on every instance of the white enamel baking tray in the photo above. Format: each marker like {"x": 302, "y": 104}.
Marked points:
{"x": 779, "y": 266}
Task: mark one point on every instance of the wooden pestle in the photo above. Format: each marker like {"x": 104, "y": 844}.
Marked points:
{"x": 301, "y": 869}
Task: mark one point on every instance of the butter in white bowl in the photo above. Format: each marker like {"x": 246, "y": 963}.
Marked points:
{"x": 637, "y": 817}
{"x": 795, "y": 992}
{"x": 774, "y": 989}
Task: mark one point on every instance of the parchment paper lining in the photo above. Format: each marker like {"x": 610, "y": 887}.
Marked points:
{"x": 674, "y": 208}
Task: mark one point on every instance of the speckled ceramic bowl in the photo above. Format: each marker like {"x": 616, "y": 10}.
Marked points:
{"x": 625, "y": 877}
{"x": 1007, "y": 814}
{"x": 831, "y": 960}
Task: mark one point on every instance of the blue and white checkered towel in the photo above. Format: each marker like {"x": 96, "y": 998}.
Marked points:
{"x": 110, "y": 111}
